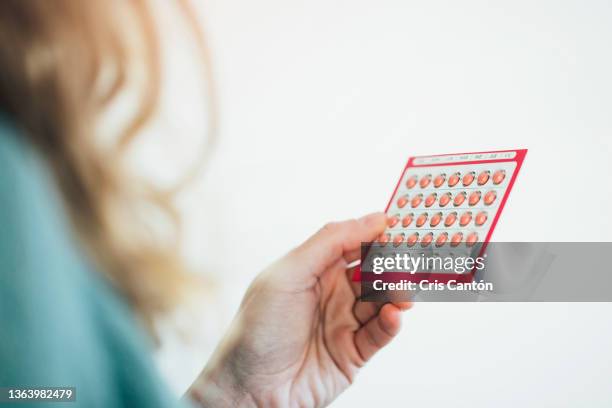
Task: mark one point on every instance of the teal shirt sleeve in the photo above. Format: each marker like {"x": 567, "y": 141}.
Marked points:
{"x": 61, "y": 322}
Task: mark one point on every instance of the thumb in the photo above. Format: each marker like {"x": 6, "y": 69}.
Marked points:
{"x": 336, "y": 241}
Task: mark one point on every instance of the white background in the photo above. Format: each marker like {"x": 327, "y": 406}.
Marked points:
{"x": 321, "y": 103}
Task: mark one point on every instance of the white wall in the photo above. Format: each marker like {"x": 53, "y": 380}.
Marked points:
{"x": 322, "y": 102}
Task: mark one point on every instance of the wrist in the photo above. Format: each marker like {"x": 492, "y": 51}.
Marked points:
{"x": 218, "y": 386}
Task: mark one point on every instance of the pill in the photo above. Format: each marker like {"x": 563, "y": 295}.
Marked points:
{"x": 411, "y": 182}
{"x": 402, "y": 201}
{"x": 439, "y": 180}
{"x": 474, "y": 198}
{"x": 435, "y": 220}
{"x": 450, "y": 219}
{"x": 456, "y": 239}
{"x": 421, "y": 220}
{"x": 392, "y": 221}
{"x": 416, "y": 200}
{"x": 412, "y": 239}
{"x": 483, "y": 177}
{"x": 454, "y": 179}
{"x": 445, "y": 199}
{"x": 427, "y": 239}
{"x": 459, "y": 199}
{"x": 398, "y": 239}
{"x": 431, "y": 199}
{"x": 442, "y": 238}
{"x": 384, "y": 238}
{"x": 468, "y": 178}
{"x": 499, "y": 176}
{"x": 465, "y": 219}
{"x": 490, "y": 197}
{"x": 407, "y": 220}
{"x": 471, "y": 239}
{"x": 481, "y": 218}
{"x": 425, "y": 180}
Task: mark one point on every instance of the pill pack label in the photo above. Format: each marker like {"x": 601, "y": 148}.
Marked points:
{"x": 450, "y": 203}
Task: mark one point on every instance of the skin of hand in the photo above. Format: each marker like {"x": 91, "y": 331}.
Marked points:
{"x": 301, "y": 334}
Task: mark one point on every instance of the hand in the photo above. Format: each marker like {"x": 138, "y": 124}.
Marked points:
{"x": 301, "y": 334}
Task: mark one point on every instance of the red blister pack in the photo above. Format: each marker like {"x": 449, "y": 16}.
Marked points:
{"x": 450, "y": 201}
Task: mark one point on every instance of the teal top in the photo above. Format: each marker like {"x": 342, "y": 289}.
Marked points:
{"x": 61, "y": 323}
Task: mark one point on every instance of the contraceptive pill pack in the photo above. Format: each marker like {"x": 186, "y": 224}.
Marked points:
{"x": 450, "y": 203}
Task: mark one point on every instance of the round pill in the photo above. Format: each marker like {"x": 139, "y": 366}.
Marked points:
{"x": 456, "y": 239}
{"x": 490, "y": 197}
{"x": 435, "y": 220}
{"x": 450, "y": 219}
{"x": 474, "y": 198}
{"x": 439, "y": 180}
{"x": 421, "y": 220}
{"x": 442, "y": 238}
{"x": 481, "y": 218}
{"x": 468, "y": 178}
{"x": 459, "y": 199}
{"x": 384, "y": 238}
{"x": 412, "y": 239}
{"x": 427, "y": 239}
{"x": 499, "y": 176}
{"x": 425, "y": 180}
{"x": 471, "y": 239}
{"x": 431, "y": 199}
{"x": 454, "y": 179}
{"x": 392, "y": 221}
{"x": 416, "y": 200}
{"x": 445, "y": 199}
{"x": 465, "y": 219}
{"x": 483, "y": 177}
{"x": 407, "y": 220}
{"x": 402, "y": 201}
{"x": 398, "y": 239}
{"x": 411, "y": 182}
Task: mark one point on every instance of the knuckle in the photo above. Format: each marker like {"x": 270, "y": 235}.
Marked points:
{"x": 330, "y": 227}
{"x": 353, "y": 224}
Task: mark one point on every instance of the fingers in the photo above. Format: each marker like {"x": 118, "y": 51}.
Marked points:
{"x": 354, "y": 284}
{"x": 352, "y": 256}
{"x": 378, "y": 332}
{"x": 403, "y": 306}
{"x": 336, "y": 240}
{"x": 364, "y": 311}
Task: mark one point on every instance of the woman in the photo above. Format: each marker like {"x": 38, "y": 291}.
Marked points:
{"x": 84, "y": 272}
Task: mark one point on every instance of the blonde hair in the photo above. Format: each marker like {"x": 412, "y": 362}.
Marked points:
{"x": 63, "y": 63}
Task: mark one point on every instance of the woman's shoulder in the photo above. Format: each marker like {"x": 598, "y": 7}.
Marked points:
{"x": 62, "y": 322}
{"x": 34, "y": 226}
{"x": 38, "y": 246}
{"x": 20, "y": 170}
